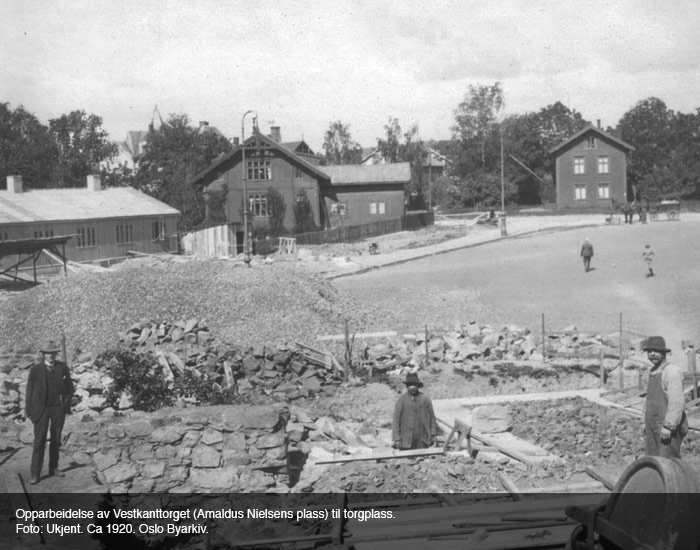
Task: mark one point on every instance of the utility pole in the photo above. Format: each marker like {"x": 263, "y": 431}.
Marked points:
{"x": 504, "y": 233}
{"x": 246, "y": 237}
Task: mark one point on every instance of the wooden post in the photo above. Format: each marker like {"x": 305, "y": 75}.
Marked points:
{"x": 640, "y": 386}
{"x": 544, "y": 352}
{"x": 427, "y": 360}
{"x": 692, "y": 369}
{"x": 63, "y": 348}
{"x": 601, "y": 359}
{"x": 347, "y": 348}
{"x": 622, "y": 359}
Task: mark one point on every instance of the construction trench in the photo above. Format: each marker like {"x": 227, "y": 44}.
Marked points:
{"x": 491, "y": 482}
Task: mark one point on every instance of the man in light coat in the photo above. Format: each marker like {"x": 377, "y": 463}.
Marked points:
{"x": 415, "y": 425}
{"x": 48, "y": 399}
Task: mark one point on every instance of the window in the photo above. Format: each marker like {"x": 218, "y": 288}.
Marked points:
{"x": 257, "y": 205}
{"x": 125, "y": 233}
{"x": 39, "y": 234}
{"x": 603, "y": 190}
{"x": 579, "y": 165}
{"x": 580, "y": 192}
{"x": 340, "y": 208}
{"x": 603, "y": 165}
{"x": 4, "y": 236}
{"x": 298, "y": 173}
{"x": 259, "y": 170}
{"x": 377, "y": 207}
{"x": 158, "y": 231}
{"x": 86, "y": 237}
{"x": 590, "y": 143}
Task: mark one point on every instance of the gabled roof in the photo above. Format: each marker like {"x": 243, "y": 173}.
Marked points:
{"x": 54, "y": 205}
{"x": 232, "y": 158}
{"x": 592, "y": 129}
{"x": 358, "y": 174}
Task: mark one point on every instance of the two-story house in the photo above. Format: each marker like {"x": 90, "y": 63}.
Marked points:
{"x": 591, "y": 170}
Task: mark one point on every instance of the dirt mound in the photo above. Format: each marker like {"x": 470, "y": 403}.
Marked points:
{"x": 244, "y": 306}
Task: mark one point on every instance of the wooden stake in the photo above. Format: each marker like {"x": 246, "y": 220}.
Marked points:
{"x": 692, "y": 369}
{"x": 510, "y": 486}
{"x": 622, "y": 359}
{"x": 426, "y": 348}
{"x": 544, "y": 354}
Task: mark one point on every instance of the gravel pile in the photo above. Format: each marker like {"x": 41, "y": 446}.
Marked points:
{"x": 243, "y": 306}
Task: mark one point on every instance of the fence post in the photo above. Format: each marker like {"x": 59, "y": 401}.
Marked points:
{"x": 347, "y": 349}
{"x": 544, "y": 353}
{"x": 622, "y": 359}
{"x": 427, "y": 363}
{"x": 692, "y": 369}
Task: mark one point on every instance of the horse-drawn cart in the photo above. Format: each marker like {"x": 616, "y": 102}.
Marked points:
{"x": 670, "y": 209}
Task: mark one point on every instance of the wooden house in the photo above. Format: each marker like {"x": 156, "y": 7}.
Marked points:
{"x": 591, "y": 170}
{"x": 105, "y": 223}
{"x": 339, "y": 195}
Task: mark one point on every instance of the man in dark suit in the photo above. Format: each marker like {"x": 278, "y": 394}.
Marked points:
{"x": 48, "y": 399}
{"x": 587, "y": 254}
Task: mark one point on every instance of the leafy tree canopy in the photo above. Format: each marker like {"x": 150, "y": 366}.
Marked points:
{"x": 399, "y": 146}
{"x": 175, "y": 152}
{"x": 339, "y": 146}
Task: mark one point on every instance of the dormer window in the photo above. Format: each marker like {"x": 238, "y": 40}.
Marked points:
{"x": 590, "y": 142}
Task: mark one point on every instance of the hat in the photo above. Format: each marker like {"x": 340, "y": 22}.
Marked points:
{"x": 49, "y": 347}
{"x": 655, "y": 343}
{"x": 412, "y": 380}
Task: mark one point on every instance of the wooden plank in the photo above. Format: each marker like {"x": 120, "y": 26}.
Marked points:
{"x": 510, "y": 486}
{"x": 382, "y": 456}
{"x": 505, "y": 450}
{"x": 312, "y": 355}
{"x": 566, "y": 487}
{"x": 360, "y": 335}
{"x": 609, "y": 484}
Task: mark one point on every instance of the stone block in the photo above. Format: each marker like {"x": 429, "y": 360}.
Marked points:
{"x": 119, "y": 473}
{"x": 491, "y": 419}
{"x": 206, "y": 457}
{"x": 212, "y": 437}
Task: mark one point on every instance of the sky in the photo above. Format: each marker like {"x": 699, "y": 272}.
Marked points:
{"x": 301, "y": 64}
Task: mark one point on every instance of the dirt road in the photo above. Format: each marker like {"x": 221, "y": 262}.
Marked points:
{"x": 515, "y": 281}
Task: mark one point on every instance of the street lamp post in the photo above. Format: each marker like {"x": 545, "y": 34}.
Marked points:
{"x": 246, "y": 237}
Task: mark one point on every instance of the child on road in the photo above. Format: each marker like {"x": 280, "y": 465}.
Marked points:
{"x": 648, "y": 256}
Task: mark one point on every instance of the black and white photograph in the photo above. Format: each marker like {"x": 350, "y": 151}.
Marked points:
{"x": 349, "y": 275}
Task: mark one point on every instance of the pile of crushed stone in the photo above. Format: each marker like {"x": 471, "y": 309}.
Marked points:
{"x": 243, "y": 306}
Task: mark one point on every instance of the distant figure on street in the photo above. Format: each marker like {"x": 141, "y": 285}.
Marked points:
{"x": 665, "y": 423}
{"x": 648, "y": 256}
{"x": 414, "y": 426}
{"x": 587, "y": 254}
{"x": 48, "y": 399}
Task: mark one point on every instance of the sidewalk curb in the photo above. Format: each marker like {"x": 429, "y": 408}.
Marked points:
{"x": 362, "y": 270}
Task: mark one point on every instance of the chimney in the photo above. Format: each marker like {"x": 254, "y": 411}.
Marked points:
{"x": 236, "y": 142}
{"x": 94, "y": 182}
{"x": 598, "y": 124}
{"x": 203, "y": 123}
{"x": 14, "y": 184}
{"x": 276, "y": 133}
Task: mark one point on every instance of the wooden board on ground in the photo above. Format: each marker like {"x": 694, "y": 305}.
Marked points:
{"x": 383, "y": 456}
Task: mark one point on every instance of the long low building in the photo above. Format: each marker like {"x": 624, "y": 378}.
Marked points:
{"x": 104, "y": 223}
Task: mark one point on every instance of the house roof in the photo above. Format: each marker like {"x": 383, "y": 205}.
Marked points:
{"x": 357, "y": 174}
{"x": 53, "y": 205}
{"x": 207, "y": 173}
{"x": 592, "y": 129}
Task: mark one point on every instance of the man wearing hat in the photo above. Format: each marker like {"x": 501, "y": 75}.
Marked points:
{"x": 414, "y": 426}
{"x": 48, "y": 399}
{"x": 665, "y": 423}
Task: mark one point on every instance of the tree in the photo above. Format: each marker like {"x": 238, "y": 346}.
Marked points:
{"x": 404, "y": 147}
{"x": 476, "y": 127}
{"x": 303, "y": 214}
{"x": 648, "y": 127}
{"x": 82, "y": 146}
{"x": 339, "y": 146}
{"x": 277, "y": 209}
{"x": 528, "y": 138}
{"x": 175, "y": 152}
{"x": 26, "y": 147}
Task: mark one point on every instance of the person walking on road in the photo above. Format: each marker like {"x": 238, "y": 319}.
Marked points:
{"x": 414, "y": 425}
{"x": 648, "y": 256}
{"x": 48, "y": 399}
{"x": 587, "y": 254}
{"x": 665, "y": 423}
